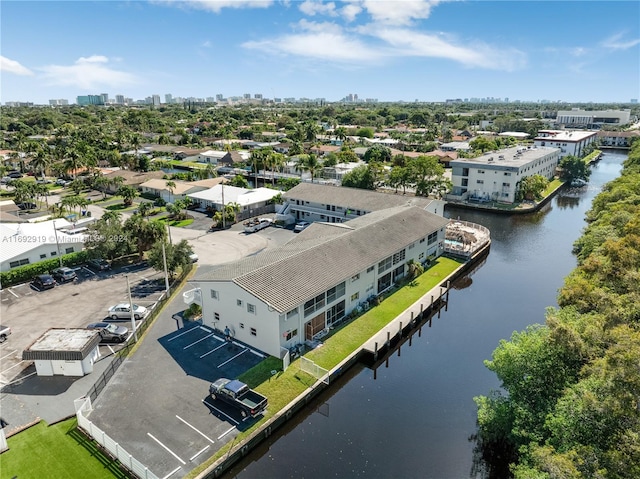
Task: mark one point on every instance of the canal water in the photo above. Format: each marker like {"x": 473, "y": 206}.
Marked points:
{"x": 415, "y": 416}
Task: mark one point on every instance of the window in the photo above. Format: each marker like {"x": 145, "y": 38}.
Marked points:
{"x": 465, "y": 181}
{"x": 335, "y": 293}
{"x": 355, "y": 277}
{"x": 370, "y": 287}
{"x": 335, "y": 313}
{"x": 385, "y": 264}
{"x": 290, "y": 334}
{"x": 421, "y": 256}
{"x": 251, "y": 308}
{"x": 398, "y": 257}
{"x": 239, "y": 302}
{"x": 292, "y": 314}
{"x": 355, "y": 296}
{"x": 53, "y": 253}
{"x": 433, "y": 237}
{"x": 68, "y": 250}
{"x": 480, "y": 182}
{"x": 481, "y": 172}
{"x": 411, "y": 246}
{"x": 254, "y": 332}
{"x": 370, "y": 269}
{"x": 214, "y": 294}
{"x": 43, "y": 256}
{"x": 241, "y": 325}
{"x": 216, "y": 316}
{"x": 314, "y": 304}
{"x": 507, "y": 185}
{"x": 422, "y": 240}
{"x": 507, "y": 173}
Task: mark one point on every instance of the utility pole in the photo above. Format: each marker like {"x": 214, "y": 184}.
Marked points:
{"x": 55, "y": 232}
{"x": 133, "y": 317}
{"x": 166, "y": 275}
{"x": 224, "y": 223}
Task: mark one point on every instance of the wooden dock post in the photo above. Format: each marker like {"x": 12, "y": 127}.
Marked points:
{"x": 388, "y": 338}
{"x": 421, "y": 308}
{"x": 375, "y": 352}
{"x": 446, "y": 300}
{"x": 400, "y": 328}
{"x": 412, "y": 320}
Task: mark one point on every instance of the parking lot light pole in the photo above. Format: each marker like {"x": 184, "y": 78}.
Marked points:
{"x": 166, "y": 275}
{"x": 55, "y": 233}
{"x": 133, "y": 316}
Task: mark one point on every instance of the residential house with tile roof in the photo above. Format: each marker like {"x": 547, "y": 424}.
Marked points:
{"x": 285, "y": 296}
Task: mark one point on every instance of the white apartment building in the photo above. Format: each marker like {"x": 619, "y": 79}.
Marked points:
{"x": 334, "y": 204}
{"x": 285, "y": 296}
{"x": 577, "y": 118}
{"x": 495, "y": 176}
{"x": 570, "y": 142}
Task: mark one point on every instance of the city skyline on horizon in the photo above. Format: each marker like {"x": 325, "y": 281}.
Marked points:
{"x": 423, "y": 50}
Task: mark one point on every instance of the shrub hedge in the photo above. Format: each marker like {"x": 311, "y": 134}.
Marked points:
{"x": 28, "y": 271}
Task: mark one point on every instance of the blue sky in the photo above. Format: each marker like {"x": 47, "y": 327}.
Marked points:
{"x": 427, "y": 50}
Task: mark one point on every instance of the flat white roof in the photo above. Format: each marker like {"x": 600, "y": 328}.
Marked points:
{"x": 509, "y": 157}
{"x": 233, "y": 194}
{"x": 569, "y": 136}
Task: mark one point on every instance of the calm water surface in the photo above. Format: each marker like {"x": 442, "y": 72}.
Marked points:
{"x": 415, "y": 418}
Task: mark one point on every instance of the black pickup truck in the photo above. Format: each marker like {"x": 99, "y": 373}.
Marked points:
{"x": 238, "y": 394}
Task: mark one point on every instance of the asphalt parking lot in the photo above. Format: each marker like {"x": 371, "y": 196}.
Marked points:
{"x": 158, "y": 406}
{"x": 30, "y": 312}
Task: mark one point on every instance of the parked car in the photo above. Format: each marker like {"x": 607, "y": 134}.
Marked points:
{"x": 15, "y": 175}
{"x": 62, "y": 182}
{"x": 110, "y": 332}
{"x": 301, "y": 226}
{"x": 98, "y": 264}
{"x": 64, "y": 274}
{"x": 27, "y": 206}
{"x": 249, "y": 402}
{"x": 44, "y": 281}
{"x": 122, "y": 311}
{"x": 5, "y": 331}
{"x": 193, "y": 258}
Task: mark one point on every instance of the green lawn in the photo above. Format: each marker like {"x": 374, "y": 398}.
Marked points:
{"x": 177, "y": 223}
{"x": 282, "y": 387}
{"x": 552, "y": 186}
{"x": 58, "y": 451}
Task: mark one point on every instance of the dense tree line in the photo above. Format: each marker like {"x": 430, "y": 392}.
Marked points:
{"x": 572, "y": 402}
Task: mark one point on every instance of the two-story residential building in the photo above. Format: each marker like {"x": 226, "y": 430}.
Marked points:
{"x": 495, "y": 176}
{"x": 570, "y": 142}
{"x": 335, "y": 204}
{"x": 576, "y": 118}
{"x": 617, "y": 139}
{"x": 285, "y": 296}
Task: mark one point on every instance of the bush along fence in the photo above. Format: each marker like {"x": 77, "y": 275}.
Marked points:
{"x": 26, "y": 273}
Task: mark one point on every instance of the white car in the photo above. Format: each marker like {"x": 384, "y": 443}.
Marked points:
{"x": 122, "y": 311}
{"x": 301, "y": 226}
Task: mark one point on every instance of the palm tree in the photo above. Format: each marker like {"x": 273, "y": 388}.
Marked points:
{"x": 128, "y": 193}
{"x": 145, "y": 208}
{"x": 171, "y": 186}
{"x": 341, "y": 133}
{"x": 41, "y": 160}
{"x": 74, "y": 161}
{"x": 117, "y": 182}
{"x": 311, "y": 164}
{"x": 101, "y": 183}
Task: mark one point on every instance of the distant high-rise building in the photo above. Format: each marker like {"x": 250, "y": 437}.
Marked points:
{"x": 84, "y": 100}
{"x": 168, "y": 98}
{"x": 120, "y": 99}
{"x": 247, "y": 96}
{"x": 258, "y": 96}
{"x": 210, "y": 99}
{"x": 105, "y": 98}
{"x": 59, "y": 102}
{"x": 219, "y": 97}
{"x": 155, "y": 100}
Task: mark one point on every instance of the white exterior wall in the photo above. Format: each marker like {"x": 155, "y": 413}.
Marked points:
{"x": 73, "y": 368}
{"x": 237, "y": 317}
{"x": 48, "y": 249}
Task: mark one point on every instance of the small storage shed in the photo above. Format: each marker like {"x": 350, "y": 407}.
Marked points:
{"x": 66, "y": 352}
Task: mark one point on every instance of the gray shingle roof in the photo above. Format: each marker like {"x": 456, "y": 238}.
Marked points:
{"x": 352, "y": 198}
{"x": 325, "y": 254}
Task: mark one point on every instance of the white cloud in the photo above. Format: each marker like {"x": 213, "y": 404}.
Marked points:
{"x": 350, "y": 12}
{"x": 615, "y": 42}
{"x": 12, "y": 66}
{"x": 321, "y": 41}
{"x": 408, "y": 42}
{"x": 88, "y": 73}
{"x": 399, "y": 12}
{"x": 216, "y": 5}
{"x": 311, "y": 7}
{"x": 206, "y": 44}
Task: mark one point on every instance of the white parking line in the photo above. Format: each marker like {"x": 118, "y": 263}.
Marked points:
{"x": 22, "y": 378}
{"x": 225, "y": 433}
{"x": 196, "y": 430}
{"x": 168, "y": 450}
{"x": 182, "y": 333}
{"x": 206, "y": 329}
{"x": 218, "y": 410}
{"x": 87, "y": 269}
{"x": 172, "y": 472}
{"x": 5, "y": 370}
{"x": 13, "y": 293}
{"x": 252, "y": 351}
{"x": 13, "y": 351}
{"x": 229, "y": 360}
{"x": 198, "y": 453}
{"x": 201, "y": 339}
{"x": 212, "y": 351}
{"x": 111, "y": 349}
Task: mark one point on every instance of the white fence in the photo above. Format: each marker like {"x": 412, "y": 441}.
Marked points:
{"x": 83, "y": 406}
{"x": 312, "y": 368}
